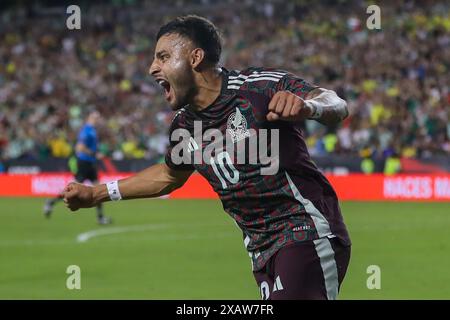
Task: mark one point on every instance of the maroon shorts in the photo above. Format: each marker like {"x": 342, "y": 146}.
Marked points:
{"x": 311, "y": 270}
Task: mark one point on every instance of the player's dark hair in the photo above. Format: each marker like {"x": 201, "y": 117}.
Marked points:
{"x": 202, "y": 32}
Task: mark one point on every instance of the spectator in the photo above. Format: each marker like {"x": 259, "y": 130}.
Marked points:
{"x": 395, "y": 80}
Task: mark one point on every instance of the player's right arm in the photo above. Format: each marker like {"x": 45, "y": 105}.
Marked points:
{"x": 295, "y": 99}
{"x": 154, "y": 181}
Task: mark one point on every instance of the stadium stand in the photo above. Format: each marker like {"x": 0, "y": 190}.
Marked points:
{"x": 396, "y": 80}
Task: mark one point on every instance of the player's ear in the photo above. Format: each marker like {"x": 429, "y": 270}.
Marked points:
{"x": 197, "y": 57}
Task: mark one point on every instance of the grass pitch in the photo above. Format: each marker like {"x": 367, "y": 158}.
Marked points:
{"x": 190, "y": 249}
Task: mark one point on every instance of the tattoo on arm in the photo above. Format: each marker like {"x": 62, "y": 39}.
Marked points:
{"x": 334, "y": 109}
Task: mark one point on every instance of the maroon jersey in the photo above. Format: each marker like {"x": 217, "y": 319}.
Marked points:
{"x": 274, "y": 203}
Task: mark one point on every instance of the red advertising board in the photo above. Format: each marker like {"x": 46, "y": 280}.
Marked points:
{"x": 348, "y": 187}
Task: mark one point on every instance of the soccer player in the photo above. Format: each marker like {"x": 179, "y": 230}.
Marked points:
{"x": 290, "y": 218}
{"x": 86, "y": 163}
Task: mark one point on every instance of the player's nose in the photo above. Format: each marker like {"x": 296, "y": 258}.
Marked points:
{"x": 154, "y": 68}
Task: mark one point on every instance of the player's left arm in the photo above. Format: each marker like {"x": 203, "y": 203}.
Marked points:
{"x": 301, "y": 101}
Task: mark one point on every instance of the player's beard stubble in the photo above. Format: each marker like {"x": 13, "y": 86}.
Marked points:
{"x": 182, "y": 82}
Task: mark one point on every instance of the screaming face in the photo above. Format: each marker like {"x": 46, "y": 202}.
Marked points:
{"x": 172, "y": 69}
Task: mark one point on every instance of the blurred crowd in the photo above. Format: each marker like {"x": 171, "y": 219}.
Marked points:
{"x": 395, "y": 80}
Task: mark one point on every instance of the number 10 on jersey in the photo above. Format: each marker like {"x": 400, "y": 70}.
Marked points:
{"x": 224, "y": 169}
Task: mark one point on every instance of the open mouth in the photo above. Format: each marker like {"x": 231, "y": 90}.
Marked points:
{"x": 166, "y": 86}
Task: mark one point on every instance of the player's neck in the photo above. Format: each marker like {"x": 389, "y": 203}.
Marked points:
{"x": 209, "y": 86}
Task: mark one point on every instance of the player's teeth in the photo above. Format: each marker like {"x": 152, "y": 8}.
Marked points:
{"x": 163, "y": 83}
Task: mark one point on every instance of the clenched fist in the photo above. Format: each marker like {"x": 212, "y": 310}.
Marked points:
{"x": 285, "y": 105}
{"x": 78, "y": 196}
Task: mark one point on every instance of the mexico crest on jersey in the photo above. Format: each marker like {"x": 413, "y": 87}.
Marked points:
{"x": 237, "y": 126}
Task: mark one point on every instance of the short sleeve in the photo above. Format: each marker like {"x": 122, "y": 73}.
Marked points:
{"x": 296, "y": 85}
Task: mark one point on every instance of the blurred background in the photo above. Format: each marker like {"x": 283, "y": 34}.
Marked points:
{"x": 396, "y": 80}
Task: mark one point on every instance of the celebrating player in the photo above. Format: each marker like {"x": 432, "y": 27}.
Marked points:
{"x": 289, "y": 215}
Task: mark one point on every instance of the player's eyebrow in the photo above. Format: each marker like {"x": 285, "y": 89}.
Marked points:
{"x": 159, "y": 54}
